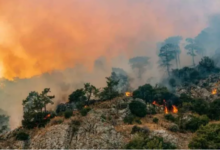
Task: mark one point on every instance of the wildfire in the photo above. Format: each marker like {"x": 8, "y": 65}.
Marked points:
{"x": 128, "y": 94}
{"x": 155, "y": 103}
{"x": 175, "y": 110}
{"x": 48, "y": 116}
{"x": 86, "y": 106}
{"x": 214, "y": 91}
{"x": 166, "y": 110}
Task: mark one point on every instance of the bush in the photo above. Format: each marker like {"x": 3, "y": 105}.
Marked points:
{"x": 39, "y": 120}
{"x": 78, "y": 95}
{"x": 138, "y": 121}
{"x": 195, "y": 122}
{"x": 214, "y": 111}
{"x": 68, "y": 114}
{"x": 22, "y": 136}
{"x": 155, "y": 120}
{"x": 169, "y": 117}
{"x": 122, "y": 106}
{"x": 145, "y": 142}
{"x": 207, "y": 137}
{"x": 201, "y": 106}
{"x": 137, "y": 129}
{"x": 128, "y": 119}
{"x": 138, "y": 108}
{"x": 85, "y": 111}
{"x": 174, "y": 128}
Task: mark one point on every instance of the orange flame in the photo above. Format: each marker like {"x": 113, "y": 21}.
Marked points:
{"x": 48, "y": 116}
{"x": 166, "y": 110}
{"x": 155, "y": 103}
{"x": 85, "y": 106}
{"x": 175, "y": 110}
{"x": 128, "y": 94}
{"x": 214, "y": 91}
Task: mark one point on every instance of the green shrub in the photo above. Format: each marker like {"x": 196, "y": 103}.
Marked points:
{"x": 128, "y": 119}
{"x": 138, "y": 108}
{"x": 39, "y": 119}
{"x": 138, "y": 121}
{"x": 207, "y": 137}
{"x": 85, "y": 111}
{"x": 169, "y": 117}
{"x": 155, "y": 120}
{"x": 103, "y": 117}
{"x": 22, "y": 136}
{"x": 214, "y": 111}
{"x": 68, "y": 114}
{"x": 201, "y": 106}
{"x": 137, "y": 129}
{"x": 146, "y": 142}
{"x": 195, "y": 122}
{"x": 174, "y": 128}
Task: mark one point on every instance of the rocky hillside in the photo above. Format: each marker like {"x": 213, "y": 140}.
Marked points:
{"x": 102, "y": 128}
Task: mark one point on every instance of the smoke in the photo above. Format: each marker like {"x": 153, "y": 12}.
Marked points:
{"x": 63, "y": 44}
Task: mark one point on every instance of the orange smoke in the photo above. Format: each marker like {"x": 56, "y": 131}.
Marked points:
{"x": 40, "y": 36}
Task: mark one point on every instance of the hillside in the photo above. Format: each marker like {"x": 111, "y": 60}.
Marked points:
{"x": 96, "y": 130}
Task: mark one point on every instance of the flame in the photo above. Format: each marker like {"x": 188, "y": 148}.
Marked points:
{"x": 48, "y": 116}
{"x": 86, "y": 106}
{"x": 128, "y": 94}
{"x": 166, "y": 110}
{"x": 175, "y": 110}
{"x": 214, "y": 91}
{"x": 155, "y": 103}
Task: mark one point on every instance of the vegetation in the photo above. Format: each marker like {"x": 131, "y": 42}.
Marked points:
{"x": 169, "y": 117}
{"x": 137, "y": 129}
{"x": 4, "y": 123}
{"x": 207, "y": 137}
{"x": 78, "y": 95}
{"x": 129, "y": 119}
{"x": 155, "y": 120}
{"x": 145, "y": 142}
{"x": 138, "y": 109}
{"x": 68, "y": 114}
{"x": 85, "y": 111}
{"x": 195, "y": 122}
{"x": 22, "y": 136}
{"x": 35, "y": 113}
{"x": 110, "y": 91}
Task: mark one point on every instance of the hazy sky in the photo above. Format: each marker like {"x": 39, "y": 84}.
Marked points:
{"x": 39, "y": 36}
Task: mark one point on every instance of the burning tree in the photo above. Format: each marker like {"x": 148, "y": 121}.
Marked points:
{"x": 33, "y": 109}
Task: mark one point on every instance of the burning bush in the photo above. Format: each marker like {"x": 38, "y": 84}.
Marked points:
{"x": 138, "y": 108}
